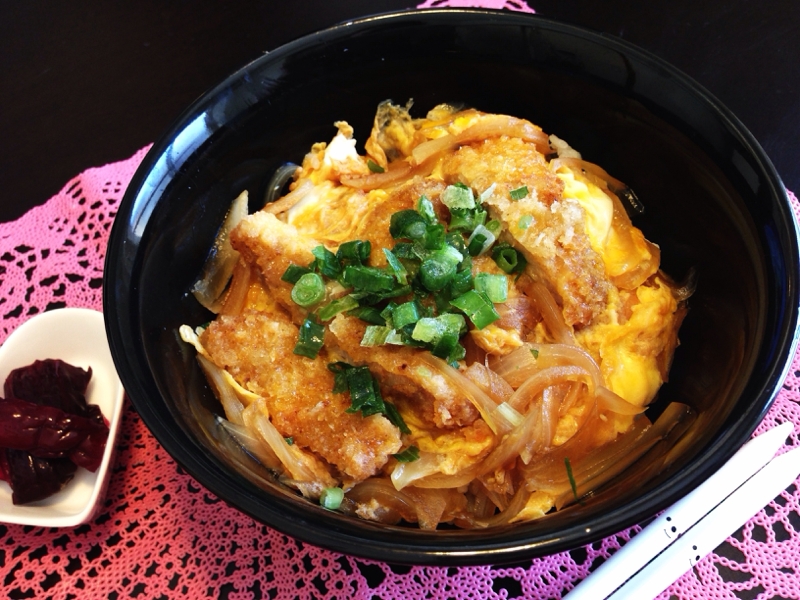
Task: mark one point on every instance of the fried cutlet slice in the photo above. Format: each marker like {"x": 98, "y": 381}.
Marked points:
{"x": 256, "y": 349}
{"x": 555, "y": 242}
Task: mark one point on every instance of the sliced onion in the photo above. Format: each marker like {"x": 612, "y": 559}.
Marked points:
{"x": 236, "y": 297}
{"x": 231, "y": 404}
{"x": 221, "y": 260}
{"x": 489, "y": 381}
{"x": 617, "y": 404}
{"x": 290, "y": 199}
{"x": 546, "y": 305}
{"x": 382, "y": 491}
{"x": 398, "y": 171}
{"x": 406, "y": 473}
{"x": 527, "y": 360}
{"x": 251, "y": 444}
{"x": 518, "y": 502}
{"x": 278, "y": 181}
{"x": 479, "y": 399}
{"x": 487, "y": 127}
{"x": 545, "y": 378}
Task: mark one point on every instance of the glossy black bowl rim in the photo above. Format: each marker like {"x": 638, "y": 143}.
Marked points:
{"x": 338, "y": 536}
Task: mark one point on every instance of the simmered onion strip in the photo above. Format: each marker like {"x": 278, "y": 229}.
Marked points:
{"x": 398, "y": 171}
{"x": 255, "y": 446}
{"x": 231, "y": 404}
{"x": 528, "y": 359}
{"x": 302, "y": 466}
{"x": 236, "y": 297}
{"x": 487, "y": 127}
{"x": 406, "y": 473}
{"x": 397, "y": 504}
{"x": 222, "y": 258}
{"x": 290, "y": 199}
{"x": 545, "y": 378}
{"x": 518, "y": 502}
{"x": 616, "y": 403}
{"x": 546, "y": 305}
{"x": 496, "y": 421}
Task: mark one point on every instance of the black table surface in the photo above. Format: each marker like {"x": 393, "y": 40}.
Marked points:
{"x": 87, "y": 83}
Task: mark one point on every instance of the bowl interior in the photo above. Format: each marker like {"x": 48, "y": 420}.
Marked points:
{"x": 713, "y": 204}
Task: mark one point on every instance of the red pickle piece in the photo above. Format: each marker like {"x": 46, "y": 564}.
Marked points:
{"x": 47, "y": 429}
{"x": 36, "y": 478}
{"x": 48, "y": 432}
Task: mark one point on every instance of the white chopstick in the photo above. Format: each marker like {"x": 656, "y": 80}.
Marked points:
{"x": 629, "y": 573}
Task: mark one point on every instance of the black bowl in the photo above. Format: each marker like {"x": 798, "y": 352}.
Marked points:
{"x": 713, "y": 201}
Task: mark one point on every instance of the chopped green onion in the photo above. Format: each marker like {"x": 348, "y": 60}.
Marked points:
{"x": 462, "y": 282}
{"x": 326, "y": 262}
{"x": 337, "y": 306}
{"x": 438, "y": 268}
{"x": 458, "y": 196}
{"x": 477, "y": 307}
{"x": 525, "y": 221}
{"x": 376, "y": 335}
{"x": 464, "y": 219}
{"x": 487, "y": 193}
{"x": 535, "y": 352}
{"x": 397, "y": 267}
{"x": 309, "y": 290}
{"x": 331, "y": 498}
{"x": 571, "y": 478}
{"x": 404, "y": 250}
{"x": 480, "y": 240}
{"x": 368, "y": 279}
{"x": 494, "y": 286}
{"x": 425, "y": 208}
{"x": 431, "y": 329}
{"x": 355, "y": 252}
{"x": 448, "y": 348}
{"x": 519, "y": 193}
{"x": 406, "y": 314}
{"x": 368, "y": 314}
{"x": 374, "y": 167}
{"x": 408, "y": 455}
{"x": 293, "y": 273}
{"x": 494, "y": 226}
{"x": 311, "y": 337}
{"x": 407, "y": 224}
{"x": 289, "y": 440}
{"x": 365, "y": 395}
{"x": 434, "y": 237}
{"x": 508, "y": 259}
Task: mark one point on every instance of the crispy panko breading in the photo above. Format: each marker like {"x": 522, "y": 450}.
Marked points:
{"x": 257, "y": 351}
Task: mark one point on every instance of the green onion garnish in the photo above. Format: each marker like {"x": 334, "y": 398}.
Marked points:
{"x": 408, "y": 455}
{"x": 406, "y": 314}
{"x": 289, "y": 440}
{"x": 494, "y": 226}
{"x": 337, "y": 306}
{"x": 331, "y": 498}
{"x": 425, "y": 208}
{"x": 326, "y": 262}
{"x": 480, "y": 240}
{"x": 369, "y": 314}
{"x": 308, "y": 290}
{"x": 397, "y": 267}
{"x": 407, "y": 224}
{"x": 519, "y": 193}
{"x": 365, "y": 394}
{"x": 355, "y": 252}
{"x": 486, "y": 194}
{"x": 293, "y": 273}
{"x": 368, "y": 279}
{"x": 458, "y": 196}
{"x": 377, "y": 335}
{"x": 535, "y": 352}
{"x": 311, "y": 337}
{"x": 374, "y": 167}
{"x": 525, "y": 221}
{"x": 571, "y": 478}
{"x": 478, "y": 307}
{"x": 494, "y": 286}
{"x": 508, "y": 259}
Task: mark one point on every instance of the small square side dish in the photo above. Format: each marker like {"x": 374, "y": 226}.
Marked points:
{"x": 76, "y": 336}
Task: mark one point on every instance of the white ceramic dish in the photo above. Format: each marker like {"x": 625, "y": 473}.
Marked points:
{"x": 78, "y": 337}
